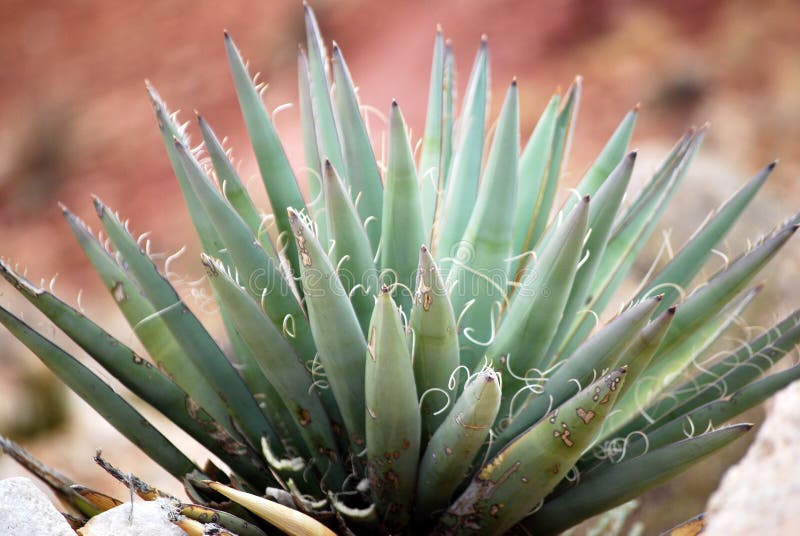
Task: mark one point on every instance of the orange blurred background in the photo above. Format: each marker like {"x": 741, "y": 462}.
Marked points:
{"x": 75, "y": 120}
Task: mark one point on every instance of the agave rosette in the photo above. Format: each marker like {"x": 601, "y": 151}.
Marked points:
{"x": 416, "y": 347}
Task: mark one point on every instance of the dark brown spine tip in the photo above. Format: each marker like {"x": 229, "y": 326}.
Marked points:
{"x": 623, "y": 369}
{"x": 633, "y": 154}
{"x": 514, "y": 82}
{"x": 772, "y": 164}
{"x": 586, "y": 198}
{"x": 328, "y": 165}
{"x": 335, "y": 47}
{"x": 384, "y": 289}
{"x": 99, "y": 207}
{"x": 659, "y": 297}
{"x": 795, "y": 226}
{"x": 672, "y": 310}
{"x": 424, "y": 248}
{"x": 226, "y": 35}
{"x": 394, "y": 103}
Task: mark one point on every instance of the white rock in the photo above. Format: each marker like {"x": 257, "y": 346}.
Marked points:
{"x": 149, "y": 517}
{"x": 25, "y": 509}
{"x": 761, "y": 494}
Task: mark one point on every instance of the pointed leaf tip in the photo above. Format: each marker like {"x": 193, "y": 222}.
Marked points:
{"x": 672, "y": 310}
{"x": 99, "y": 207}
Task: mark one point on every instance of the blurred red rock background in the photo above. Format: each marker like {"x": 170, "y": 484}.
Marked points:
{"x": 75, "y": 120}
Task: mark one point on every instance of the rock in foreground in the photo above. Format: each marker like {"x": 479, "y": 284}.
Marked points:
{"x": 25, "y": 509}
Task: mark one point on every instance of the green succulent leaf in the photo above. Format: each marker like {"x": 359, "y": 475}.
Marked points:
{"x": 599, "y": 353}
{"x": 714, "y": 414}
{"x": 309, "y": 130}
{"x": 721, "y": 288}
{"x": 513, "y": 482}
{"x": 629, "y": 236}
{"x": 693, "y": 256}
{"x": 324, "y": 121}
{"x": 448, "y": 118}
{"x": 601, "y": 217}
{"x": 171, "y": 131}
{"x": 524, "y": 334}
{"x": 362, "y": 173}
{"x": 435, "y": 344}
{"x": 351, "y": 250}
{"x": 144, "y": 380}
{"x": 402, "y": 228}
{"x": 430, "y": 168}
{"x": 638, "y": 356}
{"x": 193, "y": 338}
{"x": 279, "y": 363}
{"x": 452, "y": 450}
{"x": 618, "y": 483}
{"x": 393, "y": 422}
{"x": 532, "y": 168}
{"x": 461, "y": 188}
{"x": 672, "y": 360}
{"x": 102, "y": 398}
{"x": 479, "y": 272}
{"x": 758, "y": 354}
{"x": 234, "y": 190}
{"x": 733, "y": 372}
{"x": 254, "y": 267}
{"x": 609, "y": 158}
{"x": 276, "y": 173}
{"x": 341, "y": 346}
{"x": 559, "y": 147}
{"x": 150, "y": 329}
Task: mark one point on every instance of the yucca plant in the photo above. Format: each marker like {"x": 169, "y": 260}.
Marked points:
{"x": 418, "y": 347}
